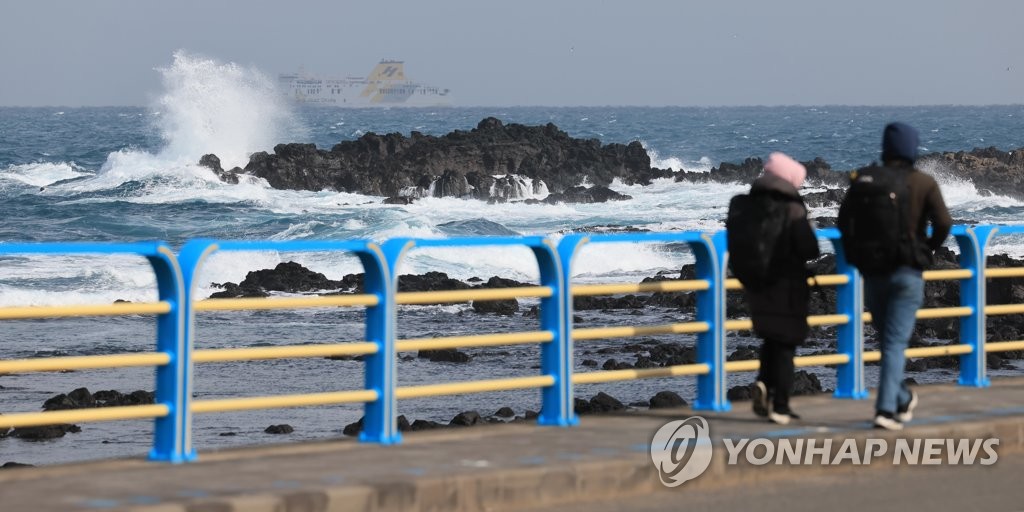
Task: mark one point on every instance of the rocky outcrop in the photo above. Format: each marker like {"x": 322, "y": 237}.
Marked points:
{"x": 990, "y": 170}
{"x": 279, "y": 429}
{"x": 499, "y": 162}
{"x": 212, "y": 162}
{"x": 530, "y": 159}
{"x": 285, "y": 277}
{"x": 80, "y": 398}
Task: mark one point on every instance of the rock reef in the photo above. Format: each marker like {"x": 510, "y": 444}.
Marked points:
{"x": 499, "y": 162}
{"x": 494, "y": 161}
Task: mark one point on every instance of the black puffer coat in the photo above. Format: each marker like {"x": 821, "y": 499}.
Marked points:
{"x": 779, "y": 310}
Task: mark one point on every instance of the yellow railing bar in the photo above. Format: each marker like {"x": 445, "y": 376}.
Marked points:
{"x": 745, "y": 324}
{"x": 742, "y": 324}
{"x": 480, "y": 386}
{"x": 944, "y": 312}
{"x": 449, "y": 296}
{"x": 943, "y": 275}
{"x": 821, "y": 360}
{"x": 946, "y": 350}
{"x": 282, "y": 401}
{"x": 595, "y": 333}
{"x": 285, "y": 302}
{"x": 127, "y": 412}
{"x": 747, "y": 365}
{"x": 822, "y": 280}
{"x": 646, "y": 373}
{"x": 815, "y": 320}
{"x": 829, "y": 279}
{"x": 1003, "y": 346}
{"x": 579, "y": 290}
{"x": 476, "y": 340}
{"x": 1005, "y": 272}
{"x": 837, "y": 279}
{"x": 1004, "y": 309}
{"x": 120, "y": 308}
{"x": 253, "y": 353}
{"x": 50, "y": 364}
{"x": 931, "y": 313}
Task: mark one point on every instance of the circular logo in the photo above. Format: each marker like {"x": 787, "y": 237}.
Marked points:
{"x": 681, "y": 450}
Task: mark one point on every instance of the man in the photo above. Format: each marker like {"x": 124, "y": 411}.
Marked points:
{"x": 893, "y": 287}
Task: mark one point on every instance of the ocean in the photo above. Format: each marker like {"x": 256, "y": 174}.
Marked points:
{"x": 131, "y": 173}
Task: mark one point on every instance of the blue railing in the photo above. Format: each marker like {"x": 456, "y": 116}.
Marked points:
{"x": 176, "y": 281}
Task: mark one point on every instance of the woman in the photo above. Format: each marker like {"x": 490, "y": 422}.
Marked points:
{"x": 779, "y": 309}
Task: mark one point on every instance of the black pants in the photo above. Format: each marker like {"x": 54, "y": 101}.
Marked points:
{"x": 777, "y": 372}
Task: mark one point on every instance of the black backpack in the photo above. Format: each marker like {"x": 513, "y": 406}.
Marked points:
{"x": 754, "y": 224}
{"x": 873, "y": 220}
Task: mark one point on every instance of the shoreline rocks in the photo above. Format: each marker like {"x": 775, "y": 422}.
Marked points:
{"x": 527, "y": 160}
{"x": 498, "y": 162}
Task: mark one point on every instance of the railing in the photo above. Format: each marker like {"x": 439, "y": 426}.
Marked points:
{"x": 175, "y": 357}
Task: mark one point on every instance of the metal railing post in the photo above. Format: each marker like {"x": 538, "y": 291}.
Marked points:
{"x": 850, "y": 337}
{"x": 172, "y": 441}
{"x": 712, "y": 257}
{"x": 380, "y": 416}
{"x": 972, "y": 242}
{"x": 556, "y": 312}
{"x": 190, "y": 258}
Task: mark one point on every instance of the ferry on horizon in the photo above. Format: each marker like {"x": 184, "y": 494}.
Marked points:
{"x": 386, "y": 86}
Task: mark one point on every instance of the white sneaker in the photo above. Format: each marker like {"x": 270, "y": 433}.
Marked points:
{"x": 887, "y": 423}
{"x": 906, "y": 413}
{"x": 779, "y": 418}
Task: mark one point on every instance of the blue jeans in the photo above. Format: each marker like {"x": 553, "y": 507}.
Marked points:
{"x": 893, "y": 300}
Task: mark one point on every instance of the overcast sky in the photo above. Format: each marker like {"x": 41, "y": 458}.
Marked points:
{"x": 527, "y": 52}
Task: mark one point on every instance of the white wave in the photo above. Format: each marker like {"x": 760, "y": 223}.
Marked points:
{"x": 206, "y": 107}
{"x": 673, "y": 163}
{"x": 42, "y": 174}
{"x": 703, "y": 164}
{"x": 354, "y": 224}
{"x": 962, "y": 195}
{"x": 998, "y": 246}
{"x": 515, "y": 186}
{"x": 211, "y": 107}
{"x": 65, "y": 279}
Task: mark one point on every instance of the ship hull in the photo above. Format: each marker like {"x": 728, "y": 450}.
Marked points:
{"x": 386, "y": 86}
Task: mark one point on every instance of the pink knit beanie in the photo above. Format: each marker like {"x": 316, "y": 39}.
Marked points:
{"x": 783, "y": 166}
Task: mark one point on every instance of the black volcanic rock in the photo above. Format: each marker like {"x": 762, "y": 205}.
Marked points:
{"x": 528, "y": 159}
{"x": 990, "y": 170}
{"x": 459, "y": 164}
{"x": 288, "y": 277}
{"x": 595, "y": 194}
{"x": 280, "y": 429}
{"x": 212, "y": 162}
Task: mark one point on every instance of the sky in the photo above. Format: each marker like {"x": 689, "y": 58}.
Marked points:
{"x": 529, "y": 52}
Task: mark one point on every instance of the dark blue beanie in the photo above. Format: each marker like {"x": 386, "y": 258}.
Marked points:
{"x": 899, "y": 141}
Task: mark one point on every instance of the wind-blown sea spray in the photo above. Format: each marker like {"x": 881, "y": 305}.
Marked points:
{"x": 211, "y": 107}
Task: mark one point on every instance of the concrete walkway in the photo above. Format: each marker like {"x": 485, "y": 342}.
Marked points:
{"x": 604, "y": 460}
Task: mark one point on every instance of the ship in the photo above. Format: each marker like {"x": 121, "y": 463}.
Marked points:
{"x": 386, "y": 86}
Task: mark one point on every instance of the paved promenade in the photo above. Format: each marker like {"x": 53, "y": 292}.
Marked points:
{"x": 603, "y": 462}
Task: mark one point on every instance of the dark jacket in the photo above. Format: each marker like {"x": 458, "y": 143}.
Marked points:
{"x": 926, "y": 205}
{"x": 779, "y": 310}
{"x": 899, "y": 150}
